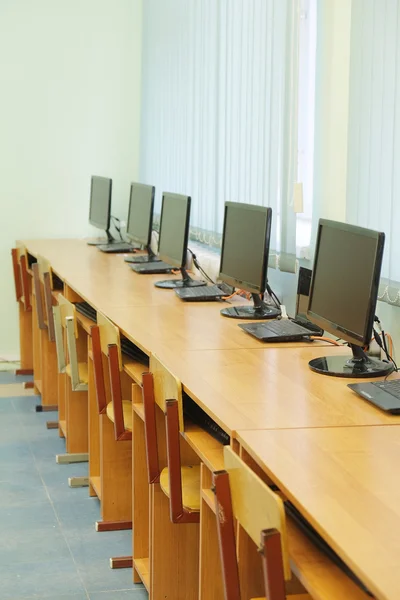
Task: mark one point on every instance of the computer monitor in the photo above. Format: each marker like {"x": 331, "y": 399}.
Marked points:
{"x": 140, "y": 219}
{"x": 244, "y": 257}
{"x": 100, "y": 205}
{"x": 343, "y": 295}
{"x": 173, "y": 238}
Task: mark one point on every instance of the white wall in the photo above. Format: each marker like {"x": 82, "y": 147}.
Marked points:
{"x": 69, "y": 106}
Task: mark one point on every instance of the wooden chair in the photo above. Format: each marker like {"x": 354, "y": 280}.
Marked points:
{"x": 46, "y": 363}
{"x": 23, "y": 297}
{"x": 173, "y": 473}
{"x": 181, "y": 484}
{"x": 240, "y": 494}
{"x": 64, "y": 318}
{"x": 113, "y": 394}
{"x": 73, "y": 386}
{"x": 106, "y": 342}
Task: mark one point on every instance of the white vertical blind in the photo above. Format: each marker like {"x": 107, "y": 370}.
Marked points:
{"x": 373, "y": 186}
{"x": 219, "y": 107}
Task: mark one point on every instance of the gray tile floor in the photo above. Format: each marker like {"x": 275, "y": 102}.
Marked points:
{"x": 49, "y": 548}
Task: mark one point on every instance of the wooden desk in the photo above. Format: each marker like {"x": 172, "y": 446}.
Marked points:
{"x": 270, "y": 388}
{"x": 344, "y": 480}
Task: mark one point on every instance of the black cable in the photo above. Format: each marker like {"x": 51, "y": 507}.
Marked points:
{"x": 382, "y": 344}
{"x": 274, "y": 297}
{"x": 117, "y": 228}
{"x": 199, "y": 267}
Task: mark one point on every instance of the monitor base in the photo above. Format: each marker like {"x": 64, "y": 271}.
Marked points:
{"x": 251, "y": 312}
{"x": 343, "y": 366}
{"x": 170, "y": 284}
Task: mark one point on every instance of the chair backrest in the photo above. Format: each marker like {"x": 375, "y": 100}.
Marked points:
{"x": 162, "y": 388}
{"x": 166, "y": 387}
{"x": 109, "y": 336}
{"x": 39, "y": 297}
{"x": 17, "y": 273}
{"x": 106, "y": 340}
{"x": 65, "y": 318}
{"x": 242, "y": 495}
{"x": 46, "y": 280}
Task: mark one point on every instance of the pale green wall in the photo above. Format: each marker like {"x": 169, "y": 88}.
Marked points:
{"x": 70, "y": 107}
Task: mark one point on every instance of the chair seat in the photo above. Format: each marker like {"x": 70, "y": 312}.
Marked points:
{"x": 127, "y": 410}
{"x": 190, "y": 486}
{"x": 83, "y": 372}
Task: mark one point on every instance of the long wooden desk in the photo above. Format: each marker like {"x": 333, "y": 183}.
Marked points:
{"x": 240, "y": 382}
{"x": 344, "y": 480}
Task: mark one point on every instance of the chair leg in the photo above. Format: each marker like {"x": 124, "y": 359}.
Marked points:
{"x": 113, "y": 525}
{"x": 76, "y": 482}
{"x": 24, "y": 372}
{"x": 28, "y": 385}
{"x": 65, "y": 459}
{"x": 272, "y": 564}
{"x": 226, "y": 535}
{"x": 121, "y": 562}
{"x": 52, "y": 424}
{"x": 46, "y": 407}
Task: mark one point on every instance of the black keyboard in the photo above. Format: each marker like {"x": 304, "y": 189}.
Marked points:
{"x": 157, "y": 267}
{"x": 198, "y": 416}
{"x": 116, "y": 247}
{"x": 321, "y": 544}
{"x": 383, "y": 394}
{"x": 88, "y": 311}
{"x": 391, "y": 387}
{"x": 282, "y": 330}
{"x": 198, "y": 294}
{"x": 142, "y": 258}
{"x": 308, "y": 325}
{"x": 135, "y": 353}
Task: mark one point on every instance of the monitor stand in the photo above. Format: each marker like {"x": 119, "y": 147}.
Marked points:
{"x": 260, "y": 310}
{"x": 103, "y": 242}
{"x": 185, "y": 282}
{"x": 360, "y": 365}
{"x": 150, "y": 258}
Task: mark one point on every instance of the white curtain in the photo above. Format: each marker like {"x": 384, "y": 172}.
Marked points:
{"x": 219, "y": 108}
{"x": 373, "y": 186}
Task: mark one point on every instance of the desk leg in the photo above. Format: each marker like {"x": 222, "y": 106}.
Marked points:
{"x": 174, "y": 561}
{"x": 116, "y": 475}
{"x": 49, "y": 371}
{"x": 25, "y": 340}
{"x": 77, "y": 420}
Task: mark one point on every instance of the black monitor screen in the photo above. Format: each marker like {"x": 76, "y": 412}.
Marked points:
{"x": 100, "y": 202}
{"x": 245, "y": 246}
{"x": 140, "y": 216}
{"x": 345, "y": 280}
{"x": 174, "y": 229}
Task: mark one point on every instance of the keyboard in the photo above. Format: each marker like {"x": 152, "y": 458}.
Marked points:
{"x": 135, "y": 353}
{"x": 116, "y": 247}
{"x": 198, "y": 416}
{"x": 322, "y": 545}
{"x": 88, "y": 311}
{"x": 200, "y": 294}
{"x": 157, "y": 267}
{"x": 383, "y": 394}
{"x": 282, "y": 330}
{"x": 142, "y": 258}
{"x": 308, "y": 325}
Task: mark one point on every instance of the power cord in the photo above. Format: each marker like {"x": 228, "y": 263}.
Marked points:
{"x": 380, "y": 339}
{"x": 117, "y": 226}
{"x": 199, "y": 267}
{"x": 274, "y": 297}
